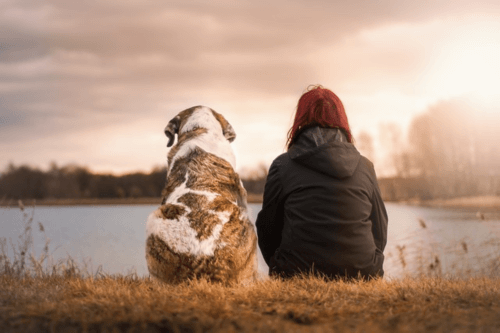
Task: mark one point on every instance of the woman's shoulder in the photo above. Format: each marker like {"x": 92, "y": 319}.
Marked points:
{"x": 280, "y": 165}
{"x": 366, "y": 162}
{"x": 281, "y": 160}
{"x": 368, "y": 169}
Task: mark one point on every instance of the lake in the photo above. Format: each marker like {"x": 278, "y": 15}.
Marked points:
{"x": 420, "y": 239}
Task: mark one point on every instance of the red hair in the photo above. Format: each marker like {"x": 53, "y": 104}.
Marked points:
{"x": 321, "y": 107}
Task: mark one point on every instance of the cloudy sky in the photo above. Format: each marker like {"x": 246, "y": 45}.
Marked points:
{"x": 95, "y": 82}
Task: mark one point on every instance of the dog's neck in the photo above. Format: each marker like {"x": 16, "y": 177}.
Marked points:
{"x": 203, "y": 131}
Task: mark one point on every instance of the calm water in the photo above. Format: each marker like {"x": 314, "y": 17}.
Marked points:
{"x": 453, "y": 241}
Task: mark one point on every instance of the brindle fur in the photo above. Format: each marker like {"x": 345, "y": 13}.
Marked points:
{"x": 182, "y": 138}
{"x": 172, "y": 211}
{"x": 235, "y": 253}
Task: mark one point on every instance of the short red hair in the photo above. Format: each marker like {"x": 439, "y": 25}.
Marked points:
{"x": 319, "y": 106}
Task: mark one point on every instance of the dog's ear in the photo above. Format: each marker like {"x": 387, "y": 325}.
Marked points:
{"x": 172, "y": 129}
{"x": 227, "y": 129}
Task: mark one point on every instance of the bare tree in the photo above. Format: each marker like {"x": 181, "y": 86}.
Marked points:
{"x": 364, "y": 143}
{"x": 445, "y": 147}
{"x": 391, "y": 138}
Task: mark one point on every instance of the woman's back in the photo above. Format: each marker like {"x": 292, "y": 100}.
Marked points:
{"x": 327, "y": 191}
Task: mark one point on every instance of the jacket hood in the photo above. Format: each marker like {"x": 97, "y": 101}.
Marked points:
{"x": 325, "y": 150}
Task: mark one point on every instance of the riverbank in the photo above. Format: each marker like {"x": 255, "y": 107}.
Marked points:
{"x": 252, "y": 198}
{"x": 307, "y": 305}
{"x": 478, "y": 202}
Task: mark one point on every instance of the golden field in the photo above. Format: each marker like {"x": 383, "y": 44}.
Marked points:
{"x": 129, "y": 304}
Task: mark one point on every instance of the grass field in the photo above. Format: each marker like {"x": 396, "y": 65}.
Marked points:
{"x": 38, "y": 295}
{"x": 117, "y": 303}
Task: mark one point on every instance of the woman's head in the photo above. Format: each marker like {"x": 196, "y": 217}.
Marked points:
{"x": 321, "y": 107}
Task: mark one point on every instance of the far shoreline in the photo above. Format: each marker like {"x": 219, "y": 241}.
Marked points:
{"x": 476, "y": 202}
{"x": 252, "y": 198}
{"x": 469, "y": 202}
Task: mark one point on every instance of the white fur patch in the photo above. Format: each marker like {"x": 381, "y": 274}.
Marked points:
{"x": 183, "y": 189}
{"x": 202, "y": 117}
{"x": 212, "y": 142}
{"x": 178, "y": 233}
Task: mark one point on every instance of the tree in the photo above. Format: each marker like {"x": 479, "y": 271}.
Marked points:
{"x": 444, "y": 147}
{"x": 364, "y": 143}
{"x": 254, "y": 180}
{"x": 23, "y": 182}
{"x": 391, "y": 138}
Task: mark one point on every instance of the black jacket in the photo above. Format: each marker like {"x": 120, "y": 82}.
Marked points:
{"x": 322, "y": 210}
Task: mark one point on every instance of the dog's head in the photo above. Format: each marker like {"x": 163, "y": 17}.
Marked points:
{"x": 198, "y": 117}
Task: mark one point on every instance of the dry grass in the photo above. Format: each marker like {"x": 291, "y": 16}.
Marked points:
{"x": 130, "y": 304}
{"x": 39, "y": 296}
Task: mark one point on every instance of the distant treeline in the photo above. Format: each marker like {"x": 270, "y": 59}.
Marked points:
{"x": 25, "y": 182}
{"x": 428, "y": 188}
{"x": 452, "y": 150}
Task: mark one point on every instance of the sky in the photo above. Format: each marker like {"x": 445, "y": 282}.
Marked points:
{"x": 94, "y": 83}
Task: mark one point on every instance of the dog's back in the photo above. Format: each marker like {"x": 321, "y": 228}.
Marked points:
{"x": 202, "y": 227}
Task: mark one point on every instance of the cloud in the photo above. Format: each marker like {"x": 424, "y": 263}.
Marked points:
{"x": 74, "y": 74}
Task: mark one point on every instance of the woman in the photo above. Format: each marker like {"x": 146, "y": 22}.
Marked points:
{"x": 322, "y": 209}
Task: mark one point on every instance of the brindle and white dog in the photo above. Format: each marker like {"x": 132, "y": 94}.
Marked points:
{"x": 202, "y": 227}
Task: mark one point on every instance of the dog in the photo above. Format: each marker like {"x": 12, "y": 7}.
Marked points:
{"x": 201, "y": 229}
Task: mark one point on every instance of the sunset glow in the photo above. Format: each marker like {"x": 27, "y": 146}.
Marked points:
{"x": 95, "y": 84}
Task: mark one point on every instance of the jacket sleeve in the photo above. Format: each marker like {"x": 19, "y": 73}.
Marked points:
{"x": 270, "y": 219}
{"x": 379, "y": 219}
